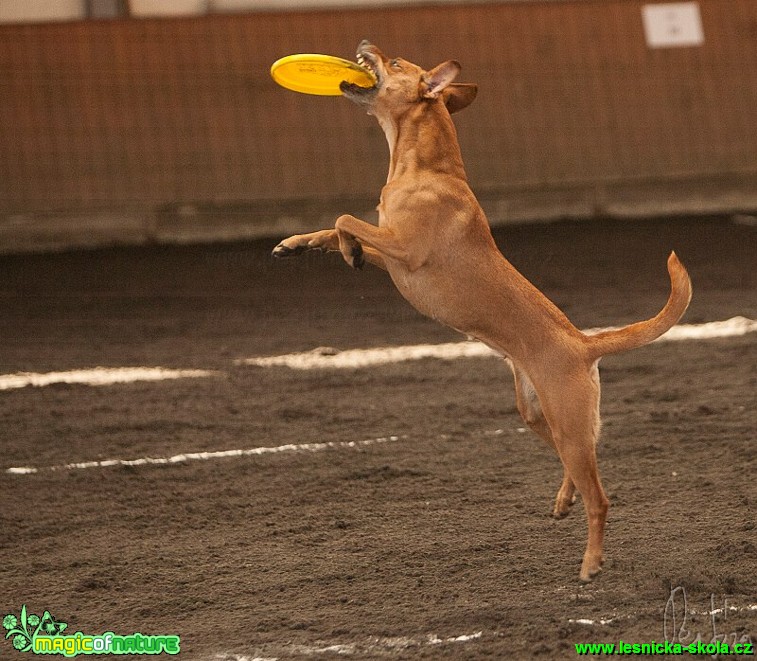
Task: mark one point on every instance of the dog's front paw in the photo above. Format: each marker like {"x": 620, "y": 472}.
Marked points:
{"x": 282, "y": 250}
{"x": 291, "y": 247}
{"x": 322, "y": 241}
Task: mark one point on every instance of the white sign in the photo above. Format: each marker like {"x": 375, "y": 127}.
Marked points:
{"x": 673, "y": 24}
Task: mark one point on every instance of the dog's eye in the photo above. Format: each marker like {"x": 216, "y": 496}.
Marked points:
{"x": 395, "y": 64}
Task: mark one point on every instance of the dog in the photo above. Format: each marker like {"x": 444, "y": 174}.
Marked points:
{"x": 435, "y": 242}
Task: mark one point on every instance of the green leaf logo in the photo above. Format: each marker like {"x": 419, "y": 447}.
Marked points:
{"x": 23, "y": 629}
{"x": 49, "y": 625}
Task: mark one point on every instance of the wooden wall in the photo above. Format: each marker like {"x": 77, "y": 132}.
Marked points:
{"x": 151, "y": 112}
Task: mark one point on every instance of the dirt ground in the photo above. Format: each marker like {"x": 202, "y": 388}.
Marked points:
{"x": 386, "y": 550}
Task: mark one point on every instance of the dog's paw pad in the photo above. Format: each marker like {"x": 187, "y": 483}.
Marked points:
{"x": 358, "y": 258}
{"x": 590, "y": 569}
{"x": 282, "y": 250}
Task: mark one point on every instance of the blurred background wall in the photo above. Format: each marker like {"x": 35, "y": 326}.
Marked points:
{"x": 161, "y": 117}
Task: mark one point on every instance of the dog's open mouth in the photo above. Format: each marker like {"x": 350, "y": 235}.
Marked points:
{"x": 357, "y": 92}
{"x": 368, "y": 62}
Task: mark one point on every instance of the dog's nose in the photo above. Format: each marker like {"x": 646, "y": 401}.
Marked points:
{"x": 364, "y": 44}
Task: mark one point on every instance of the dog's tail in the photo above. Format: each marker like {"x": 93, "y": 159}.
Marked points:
{"x": 644, "y": 332}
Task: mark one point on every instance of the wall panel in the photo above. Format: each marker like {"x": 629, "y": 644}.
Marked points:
{"x": 151, "y": 112}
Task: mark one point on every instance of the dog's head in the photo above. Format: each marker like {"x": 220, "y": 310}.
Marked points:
{"x": 401, "y": 84}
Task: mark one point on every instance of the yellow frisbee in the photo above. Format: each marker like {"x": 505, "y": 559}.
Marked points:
{"x": 311, "y": 73}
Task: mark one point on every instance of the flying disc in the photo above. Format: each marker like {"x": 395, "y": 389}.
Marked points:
{"x": 311, "y": 73}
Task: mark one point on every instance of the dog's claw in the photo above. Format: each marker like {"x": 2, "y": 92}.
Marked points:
{"x": 563, "y": 508}
{"x": 358, "y": 259}
{"x": 281, "y": 251}
{"x": 590, "y": 569}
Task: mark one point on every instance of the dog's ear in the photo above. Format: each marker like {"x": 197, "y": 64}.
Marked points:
{"x": 458, "y": 96}
{"x": 438, "y": 78}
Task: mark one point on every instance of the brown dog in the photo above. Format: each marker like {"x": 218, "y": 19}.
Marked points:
{"x": 435, "y": 242}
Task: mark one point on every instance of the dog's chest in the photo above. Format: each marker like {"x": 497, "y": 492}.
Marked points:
{"x": 422, "y": 292}
{"x": 416, "y": 295}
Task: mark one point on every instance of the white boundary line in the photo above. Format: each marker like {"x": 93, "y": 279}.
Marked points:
{"x": 204, "y": 456}
{"x": 327, "y": 358}
{"x": 373, "y": 645}
{"x": 369, "y": 646}
{"x": 99, "y": 376}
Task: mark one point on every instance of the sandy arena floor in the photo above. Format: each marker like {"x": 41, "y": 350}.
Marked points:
{"x": 433, "y": 539}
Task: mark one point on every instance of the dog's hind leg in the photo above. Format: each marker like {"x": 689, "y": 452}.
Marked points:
{"x": 571, "y": 408}
{"x": 530, "y": 410}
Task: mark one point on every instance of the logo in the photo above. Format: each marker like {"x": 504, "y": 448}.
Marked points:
{"x": 29, "y": 632}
